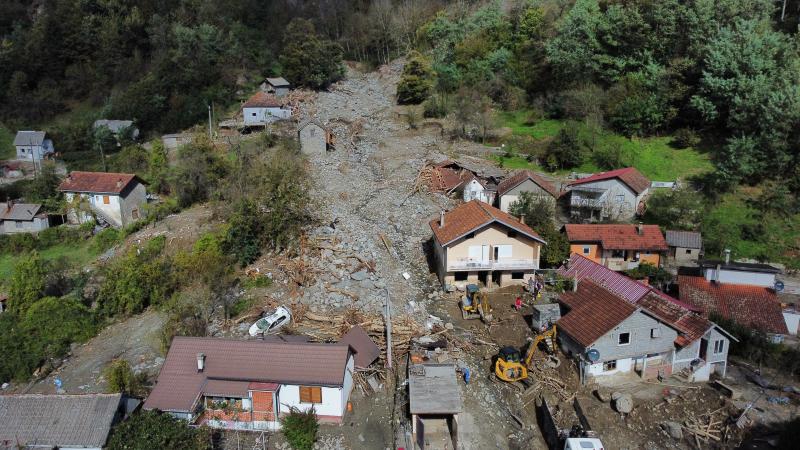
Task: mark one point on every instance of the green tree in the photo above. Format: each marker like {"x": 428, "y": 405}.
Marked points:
{"x": 28, "y": 283}
{"x": 44, "y": 187}
{"x": 300, "y": 428}
{"x": 416, "y": 81}
{"x": 308, "y": 59}
{"x": 566, "y": 150}
{"x": 197, "y": 172}
{"x": 539, "y": 214}
{"x": 245, "y": 233}
{"x": 120, "y": 378}
{"x": 154, "y": 429}
{"x": 679, "y": 209}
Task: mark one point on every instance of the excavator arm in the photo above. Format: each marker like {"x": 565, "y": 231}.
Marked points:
{"x": 547, "y": 335}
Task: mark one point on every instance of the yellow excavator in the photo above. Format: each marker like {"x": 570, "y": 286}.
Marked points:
{"x": 509, "y": 365}
{"x": 475, "y": 304}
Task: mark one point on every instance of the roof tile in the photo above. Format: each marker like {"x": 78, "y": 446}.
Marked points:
{"x": 97, "y": 182}
{"x": 471, "y": 216}
{"x": 618, "y": 236}
{"x": 520, "y": 176}
{"x": 594, "y": 311}
{"x": 629, "y": 175}
{"x": 262, "y": 100}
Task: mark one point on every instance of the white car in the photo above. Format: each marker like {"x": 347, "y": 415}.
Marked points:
{"x": 271, "y": 323}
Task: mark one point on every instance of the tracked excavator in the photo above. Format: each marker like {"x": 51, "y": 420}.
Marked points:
{"x": 512, "y": 368}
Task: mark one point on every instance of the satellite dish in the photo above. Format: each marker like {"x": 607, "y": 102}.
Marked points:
{"x": 779, "y": 286}
{"x": 593, "y": 355}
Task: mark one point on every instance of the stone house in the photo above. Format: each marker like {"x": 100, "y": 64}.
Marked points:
{"x": 684, "y": 246}
{"x": 263, "y": 109}
{"x": 250, "y": 385}
{"x": 314, "y": 137}
{"x": 509, "y": 190}
{"x": 33, "y": 145}
{"x": 616, "y": 195}
{"x": 617, "y": 246}
{"x": 476, "y": 242}
{"x": 22, "y": 218}
{"x": 114, "y": 198}
{"x": 277, "y": 86}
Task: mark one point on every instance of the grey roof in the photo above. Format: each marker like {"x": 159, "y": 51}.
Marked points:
{"x": 19, "y": 211}
{"x": 278, "y": 82}
{"x": 433, "y": 389}
{"x": 29, "y": 138}
{"x": 307, "y": 122}
{"x": 740, "y": 266}
{"x": 57, "y": 420}
{"x": 684, "y": 239}
{"x": 113, "y": 125}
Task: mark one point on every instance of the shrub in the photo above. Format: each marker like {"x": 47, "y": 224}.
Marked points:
{"x": 120, "y": 378}
{"x": 609, "y": 157}
{"x": 154, "y": 429}
{"x": 300, "y": 428}
{"x": 685, "y": 138}
{"x": 434, "y": 107}
{"x": 415, "y": 82}
{"x": 566, "y": 150}
{"x": 105, "y": 239}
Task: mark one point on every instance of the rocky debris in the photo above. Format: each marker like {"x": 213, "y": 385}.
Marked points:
{"x": 623, "y": 403}
{"x": 674, "y": 430}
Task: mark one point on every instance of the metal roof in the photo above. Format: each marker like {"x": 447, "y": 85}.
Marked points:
{"x": 740, "y": 266}
{"x": 433, "y": 389}
{"x": 278, "y": 82}
{"x": 57, "y": 420}
{"x": 684, "y": 239}
{"x": 113, "y": 125}
{"x": 29, "y": 138}
{"x": 19, "y": 211}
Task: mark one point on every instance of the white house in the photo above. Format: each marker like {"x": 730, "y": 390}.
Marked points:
{"x": 22, "y": 218}
{"x": 33, "y": 145}
{"x": 616, "y": 195}
{"x": 249, "y": 385}
{"x": 477, "y": 189}
{"x": 263, "y": 109}
{"x": 510, "y": 189}
{"x": 114, "y": 198}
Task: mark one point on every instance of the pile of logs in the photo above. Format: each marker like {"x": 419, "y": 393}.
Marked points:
{"x": 706, "y": 428}
{"x": 330, "y": 327}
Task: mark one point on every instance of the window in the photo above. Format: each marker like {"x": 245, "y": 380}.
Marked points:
{"x": 253, "y": 114}
{"x": 620, "y": 198}
{"x": 106, "y": 200}
{"x": 310, "y": 394}
{"x": 517, "y": 275}
{"x": 18, "y": 224}
{"x": 655, "y": 333}
{"x": 719, "y": 346}
{"x": 586, "y": 250}
{"x": 461, "y": 276}
{"x": 617, "y": 253}
{"x": 609, "y": 366}
{"x": 688, "y": 251}
{"x": 624, "y": 339}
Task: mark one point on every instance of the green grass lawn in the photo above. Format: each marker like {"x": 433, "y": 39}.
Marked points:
{"x": 77, "y": 255}
{"x": 653, "y": 156}
{"x": 7, "y": 150}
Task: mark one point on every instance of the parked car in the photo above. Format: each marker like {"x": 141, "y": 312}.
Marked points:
{"x": 271, "y": 323}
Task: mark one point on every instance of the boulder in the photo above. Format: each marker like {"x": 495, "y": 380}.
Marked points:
{"x": 623, "y": 403}
{"x": 674, "y": 430}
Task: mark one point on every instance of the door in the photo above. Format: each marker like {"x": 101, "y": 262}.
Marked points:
{"x": 485, "y": 253}
{"x": 703, "y": 348}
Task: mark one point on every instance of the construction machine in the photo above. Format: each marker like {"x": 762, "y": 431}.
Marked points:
{"x": 512, "y": 368}
{"x": 475, "y": 304}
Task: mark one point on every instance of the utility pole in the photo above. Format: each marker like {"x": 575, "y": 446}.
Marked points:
{"x": 388, "y": 330}
{"x": 209, "y": 122}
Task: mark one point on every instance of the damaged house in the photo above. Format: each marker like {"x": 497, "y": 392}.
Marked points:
{"x": 476, "y": 242}
{"x": 615, "y": 195}
{"x": 614, "y": 324}
{"x": 249, "y": 385}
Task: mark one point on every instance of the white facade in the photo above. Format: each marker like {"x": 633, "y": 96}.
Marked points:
{"x": 792, "y": 319}
{"x": 117, "y": 210}
{"x": 474, "y": 190}
{"x": 606, "y": 199}
{"x": 35, "y": 152}
{"x": 763, "y": 279}
{"x": 599, "y": 369}
{"x": 264, "y": 115}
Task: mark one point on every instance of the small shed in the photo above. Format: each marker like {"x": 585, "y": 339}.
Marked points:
{"x": 33, "y": 145}
{"x": 278, "y": 86}
{"x": 434, "y": 403}
{"x": 314, "y": 137}
{"x": 175, "y": 140}
{"x": 545, "y": 315}
{"x": 684, "y": 246}
{"x": 118, "y": 126}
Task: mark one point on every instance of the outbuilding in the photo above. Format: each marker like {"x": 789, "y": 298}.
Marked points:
{"x": 277, "y": 86}
{"x": 684, "y": 246}
{"x": 33, "y": 145}
{"x": 263, "y": 109}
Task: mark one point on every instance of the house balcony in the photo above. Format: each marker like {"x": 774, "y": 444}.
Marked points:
{"x": 621, "y": 265}
{"x": 502, "y": 264}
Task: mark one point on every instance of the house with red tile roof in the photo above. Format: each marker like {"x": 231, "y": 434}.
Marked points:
{"x": 234, "y": 384}
{"x": 476, "y": 242}
{"x": 756, "y": 307}
{"x": 615, "y": 195}
{"x": 635, "y": 327}
{"x": 263, "y": 109}
{"x": 617, "y": 246}
{"x": 509, "y": 190}
{"x": 113, "y": 198}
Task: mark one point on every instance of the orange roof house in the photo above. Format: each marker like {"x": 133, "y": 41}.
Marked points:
{"x": 617, "y": 246}
{"x": 476, "y": 242}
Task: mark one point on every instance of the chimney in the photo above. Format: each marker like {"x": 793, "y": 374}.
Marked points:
{"x": 201, "y": 362}
{"x": 716, "y": 273}
{"x": 575, "y": 284}
{"x": 727, "y": 256}
{"x": 522, "y": 219}
{"x": 119, "y": 184}
{"x": 639, "y": 229}
{"x": 441, "y": 219}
